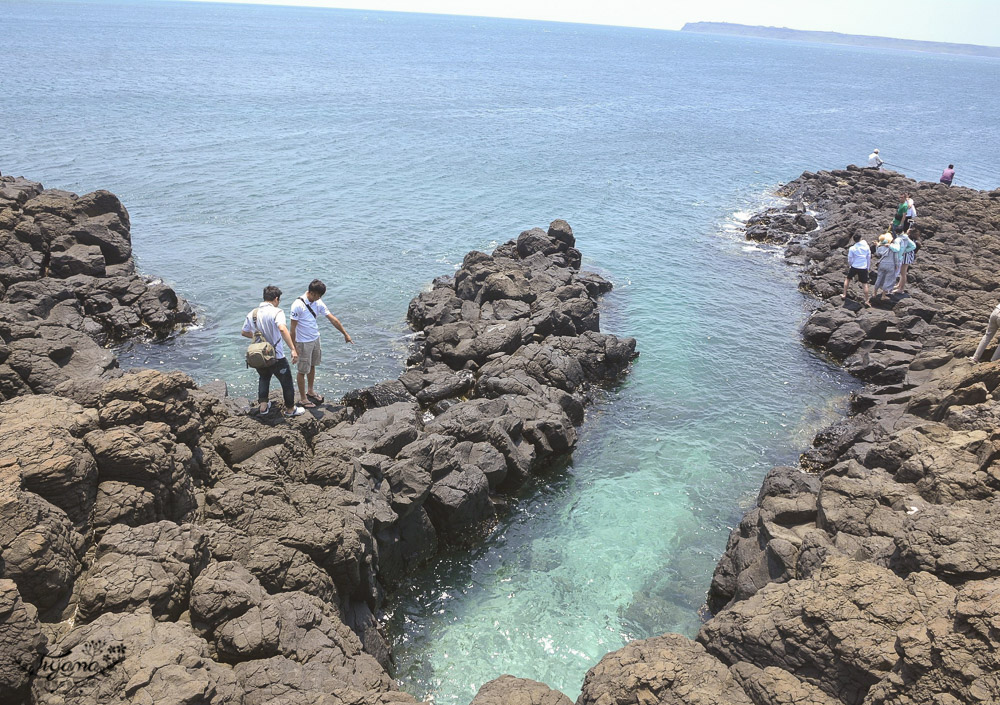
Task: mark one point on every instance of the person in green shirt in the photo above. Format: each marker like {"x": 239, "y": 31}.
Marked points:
{"x": 897, "y": 222}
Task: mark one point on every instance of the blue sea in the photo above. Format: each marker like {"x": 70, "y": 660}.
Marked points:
{"x": 262, "y": 145}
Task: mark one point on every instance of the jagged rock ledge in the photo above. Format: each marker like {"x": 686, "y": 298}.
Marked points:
{"x": 68, "y": 288}
{"x": 158, "y": 545}
{"x": 870, "y": 573}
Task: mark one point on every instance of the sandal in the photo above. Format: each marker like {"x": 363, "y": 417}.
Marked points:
{"x": 263, "y": 408}
{"x": 307, "y": 404}
{"x": 318, "y": 398}
{"x": 296, "y": 411}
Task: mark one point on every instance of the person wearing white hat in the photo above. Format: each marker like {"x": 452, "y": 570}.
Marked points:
{"x": 874, "y": 160}
{"x": 888, "y": 265}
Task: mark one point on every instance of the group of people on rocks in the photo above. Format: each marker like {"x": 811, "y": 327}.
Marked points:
{"x": 947, "y": 176}
{"x": 302, "y": 339}
{"x": 895, "y": 250}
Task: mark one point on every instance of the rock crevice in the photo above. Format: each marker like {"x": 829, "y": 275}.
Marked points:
{"x": 158, "y": 543}
{"x": 868, "y": 574}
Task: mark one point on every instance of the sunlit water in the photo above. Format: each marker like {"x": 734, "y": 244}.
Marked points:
{"x": 258, "y": 145}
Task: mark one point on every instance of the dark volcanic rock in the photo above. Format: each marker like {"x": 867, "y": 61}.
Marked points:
{"x": 22, "y": 643}
{"x": 508, "y": 690}
{"x": 868, "y": 574}
{"x": 57, "y": 247}
{"x": 184, "y": 550}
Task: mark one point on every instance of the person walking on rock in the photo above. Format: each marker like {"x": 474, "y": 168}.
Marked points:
{"x": 859, "y": 262}
{"x": 268, "y": 321}
{"x": 874, "y": 160}
{"x": 901, "y": 209}
{"x": 911, "y": 214}
{"x": 991, "y": 330}
{"x": 907, "y": 256}
{"x": 306, "y": 312}
{"x": 948, "y": 175}
{"x": 888, "y": 265}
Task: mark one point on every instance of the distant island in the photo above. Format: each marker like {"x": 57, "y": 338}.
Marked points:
{"x": 857, "y": 40}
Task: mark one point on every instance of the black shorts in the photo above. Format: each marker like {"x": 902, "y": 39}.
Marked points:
{"x": 861, "y": 274}
{"x": 906, "y": 225}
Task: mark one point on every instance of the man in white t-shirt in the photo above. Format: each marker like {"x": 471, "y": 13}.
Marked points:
{"x": 306, "y": 313}
{"x": 874, "y": 160}
{"x": 859, "y": 263}
{"x": 269, "y": 321}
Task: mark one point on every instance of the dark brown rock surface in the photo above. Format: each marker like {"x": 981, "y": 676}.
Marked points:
{"x": 68, "y": 286}
{"x": 867, "y": 575}
{"x": 158, "y": 544}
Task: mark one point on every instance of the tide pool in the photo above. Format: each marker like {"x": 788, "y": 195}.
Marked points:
{"x": 259, "y": 145}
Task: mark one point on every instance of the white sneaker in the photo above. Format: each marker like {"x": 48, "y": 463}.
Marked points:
{"x": 296, "y": 411}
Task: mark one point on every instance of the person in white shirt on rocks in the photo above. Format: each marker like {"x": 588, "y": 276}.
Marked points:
{"x": 306, "y": 313}
{"x": 269, "y": 321}
{"x": 911, "y": 214}
{"x": 859, "y": 262}
{"x": 874, "y": 160}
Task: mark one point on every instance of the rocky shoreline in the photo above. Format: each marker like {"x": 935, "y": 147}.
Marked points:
{"x": 160, "y": 545}
{"x": 870, "y": 573}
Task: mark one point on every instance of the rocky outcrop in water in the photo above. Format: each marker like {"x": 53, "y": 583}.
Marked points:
{"x": 68, "y": 287}
{"x": 158, "y": 544}
{"x": 869, "y": 574}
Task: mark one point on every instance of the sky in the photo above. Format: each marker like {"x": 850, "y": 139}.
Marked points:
{"x": 962, "y": 21}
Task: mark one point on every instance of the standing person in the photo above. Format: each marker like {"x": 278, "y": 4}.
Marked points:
{"x": 907, "y": 256}
{"x": 859, "y": 261}
{"x": 901, "y": 209}
{"x": 268, "y": 321}
{"x": 888, "y": 265}
{"x": 991, "y": 330}
{"x": 911, "y": 213}
{"x": 948, "y": 175}
{"x": 306, "y": 311}
{"x": 874, "y": 160}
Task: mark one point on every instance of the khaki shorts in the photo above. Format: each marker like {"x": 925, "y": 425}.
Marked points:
{"x": 309, "y": 356}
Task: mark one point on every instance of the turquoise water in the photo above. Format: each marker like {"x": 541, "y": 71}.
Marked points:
{"x": 258, "y": 145}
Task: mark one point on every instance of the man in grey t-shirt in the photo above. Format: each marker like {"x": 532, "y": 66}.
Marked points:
{"x": 269, "y": 323}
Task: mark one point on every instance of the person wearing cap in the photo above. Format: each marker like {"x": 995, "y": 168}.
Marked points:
{"x": 874, "y": 160}
{"x": 859, "y": 262}
{"x": 888, "y": 265}
{"x": 948, "y": 175}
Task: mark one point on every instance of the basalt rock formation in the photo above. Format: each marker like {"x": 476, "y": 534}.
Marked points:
{"x": 870, "y": 573}
{"x": 158, "y": 544}
{"x": 68, "y": 287}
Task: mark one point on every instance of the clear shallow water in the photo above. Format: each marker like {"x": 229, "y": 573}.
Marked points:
{"x": 257, "y": 145}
